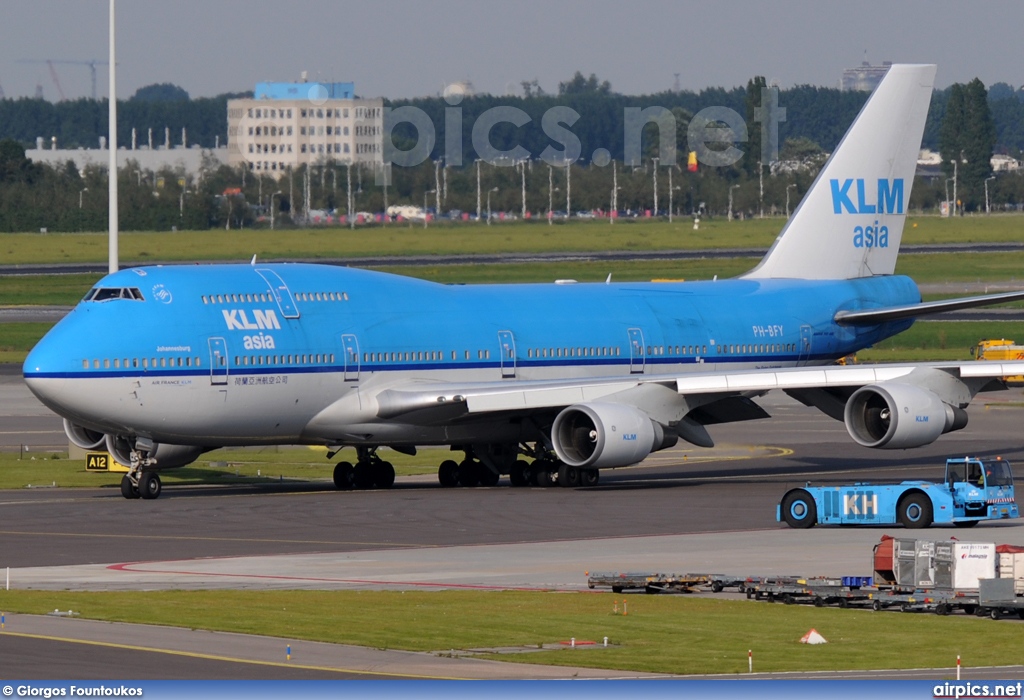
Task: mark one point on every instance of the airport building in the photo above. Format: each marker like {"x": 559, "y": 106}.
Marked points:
{"x": 285, "y": 125}
{"x": 181, "y": 157}
{"x": 865, "y": 77}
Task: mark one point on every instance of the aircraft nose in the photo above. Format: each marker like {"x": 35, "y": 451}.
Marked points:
{"x": 44, "y": 372}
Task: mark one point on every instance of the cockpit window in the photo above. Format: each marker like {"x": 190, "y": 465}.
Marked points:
{"x": 108, "y": 293}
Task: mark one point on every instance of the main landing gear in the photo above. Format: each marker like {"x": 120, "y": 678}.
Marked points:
{"x": 369, "y": 472}
{"x": 483, "y": 466}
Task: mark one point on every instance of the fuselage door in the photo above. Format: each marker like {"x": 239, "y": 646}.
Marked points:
{"x": 282, "y": 295}
{"x": 218, "y": 361}
{"x": 805, "y": 344}
{"x": 350, "y": 351}
{"x": 636, "y": 351}
{"x": 507, "y": 350}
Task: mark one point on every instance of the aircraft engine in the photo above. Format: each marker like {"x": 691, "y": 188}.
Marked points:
{"x": 605, "y": 435}
{"x": 897, "y": 416}
{"x": 83, "y": 437}
{"x": 166, "y": 456}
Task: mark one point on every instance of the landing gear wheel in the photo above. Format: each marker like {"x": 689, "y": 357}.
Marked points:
{"x": 914, "y": 511}
{"x": 448, "y": 473}
{"x": 541, "y": 473}
{"x": 589, "y": 477}
{"x": 468, "y": 474}
{"x": 486, "y": 477}
{"x": 363, "y": 476}
{"x": 519, "y": 475}
{"x": 344, "y": 476}
{"x": 149, "y": 485}
{"x": 384, "y": 475}
{"x": 798, "y": 509}
{"x": 568, "y": 476}
{"x": 128, "y": 489}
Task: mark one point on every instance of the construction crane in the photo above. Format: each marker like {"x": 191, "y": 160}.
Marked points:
{"x": 92, "y": 63}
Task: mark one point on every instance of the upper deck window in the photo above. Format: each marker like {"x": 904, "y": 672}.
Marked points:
{"x": 108, "y": 293}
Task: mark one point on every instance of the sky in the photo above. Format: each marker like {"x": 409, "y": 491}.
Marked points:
{"x": 407, "y": 48}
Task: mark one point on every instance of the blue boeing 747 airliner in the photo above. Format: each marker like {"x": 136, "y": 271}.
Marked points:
{"x": 160, "y": 364}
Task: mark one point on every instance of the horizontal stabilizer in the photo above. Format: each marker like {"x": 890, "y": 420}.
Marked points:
{"x": 870, "y": 317}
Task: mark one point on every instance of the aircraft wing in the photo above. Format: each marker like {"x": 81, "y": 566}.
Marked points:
{"x": 512, "y": 395}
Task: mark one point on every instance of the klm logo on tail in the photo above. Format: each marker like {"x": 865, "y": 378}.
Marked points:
{"x": 888, "y": 200}
{"x": 889, "y": 197}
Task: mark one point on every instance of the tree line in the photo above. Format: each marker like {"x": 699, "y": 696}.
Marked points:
{"x": 819, "y": 114}
{"x": 34, "y": 196}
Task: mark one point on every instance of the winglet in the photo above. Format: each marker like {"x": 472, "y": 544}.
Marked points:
{"x": 253, "y": 261}
{"x": 850, "y": 222}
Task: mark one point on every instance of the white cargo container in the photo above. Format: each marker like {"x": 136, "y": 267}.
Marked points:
{"x": 1011, "y": 565}
{"x": 973, "y": 561}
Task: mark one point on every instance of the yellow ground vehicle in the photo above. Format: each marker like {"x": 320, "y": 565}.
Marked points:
{"x": 1001, "y": 349}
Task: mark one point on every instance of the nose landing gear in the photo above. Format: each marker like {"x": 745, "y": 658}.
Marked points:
{"x": 140, "y": 482}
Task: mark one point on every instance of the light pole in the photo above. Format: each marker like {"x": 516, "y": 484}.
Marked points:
{"x": 615, "y": 193}
{"x": 788, "y": 188}
{"x": 568, "y": 189}
{"x": 522, "y": 168}
{"x": 988, "y": 209}
{"x": 425, "y": 215}
{"x": 731, "y": 188}
{"x": 760, "y": 196}
{"x": 80, "y": 193}
{"x": 493, "y": 189}
{"x": 551, "y": 191}
{"x": 948, "y": 212}
{"x": 348, "y": 204}
{"x": 954, "y": 186}
{"x": 478, "y": 190}
{"x": 272, "y": 209}
{"x": 437, "y": 185}
{"x": 654, "y": 172}
{"x": 181, "y": 204}
{"x": 670, "y": 194}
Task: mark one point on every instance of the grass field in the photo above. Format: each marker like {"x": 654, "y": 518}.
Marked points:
{"x": 402, "y": 239}
{"x": 661, "y": 634}
{"x": 41, "y": 468}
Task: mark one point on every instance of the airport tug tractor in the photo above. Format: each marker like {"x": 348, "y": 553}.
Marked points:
{"x": 974, "y": 489}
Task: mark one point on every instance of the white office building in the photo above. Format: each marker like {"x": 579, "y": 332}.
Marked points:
{"x": 285, "y": 125}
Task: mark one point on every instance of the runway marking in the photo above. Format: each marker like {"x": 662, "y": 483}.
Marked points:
{"x": 773, "y": 452}
{"x": 353, "y": 581}
{"x": 214, "y": 657}
{"x": 211, "y": 539}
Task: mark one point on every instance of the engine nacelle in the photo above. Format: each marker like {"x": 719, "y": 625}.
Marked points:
{"x": 897, "y": 416}
{"x": 83, "y": 437}
{"x": 604, "y": 435}
{"x": 166, "y": 456}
